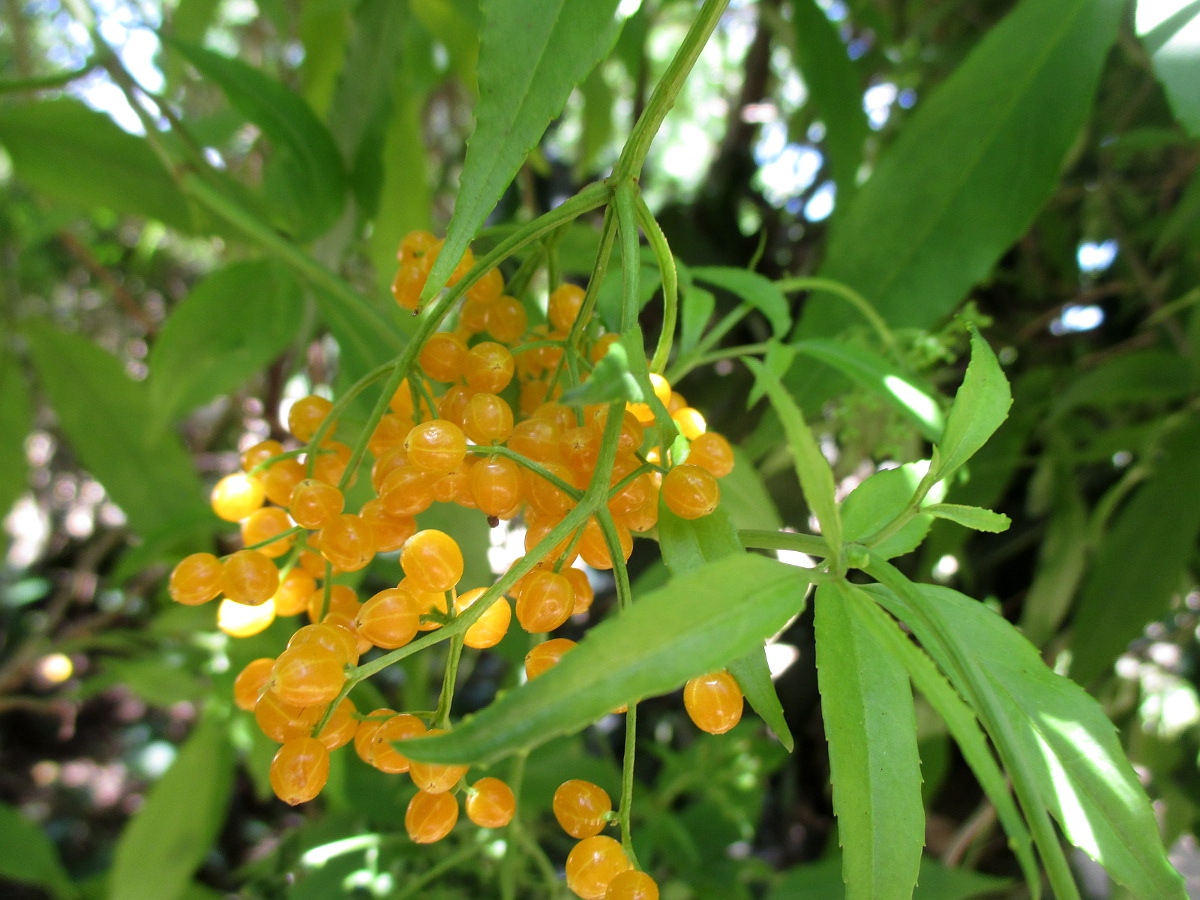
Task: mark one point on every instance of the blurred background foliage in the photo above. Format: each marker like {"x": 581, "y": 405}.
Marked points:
{"x": 1035, "y": 175}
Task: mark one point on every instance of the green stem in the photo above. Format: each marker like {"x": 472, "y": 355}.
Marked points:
{"x": 500, "y": 450}
{"x": 625, "y": 813}
{"x": 630, "y": 255}
{"x": 48, "y": 82}
{"x": 441, "y": 719}
{"x": 851, "y": 296}
{"x": 810, "y": 544}
{"x": 282, "y": 536}
{"x": 670, "y": 283}
{"x": 717, "y": 355}
{"x": 633, "y": 156}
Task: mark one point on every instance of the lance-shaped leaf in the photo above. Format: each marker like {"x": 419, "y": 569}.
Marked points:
{"x": 753, "y": 289}
{"x": 975, "y": 517}
{"x": 980, "y": 406}
{"x": 971, "y": 167}
{"x": 695, "y": 623}
{"x": 871, "y": 726}
{"x": 27, "y": 855}
{"x": 532, "y": 53}
{"x": 1170, "y": 32}
{"x": 1060, "y": 749}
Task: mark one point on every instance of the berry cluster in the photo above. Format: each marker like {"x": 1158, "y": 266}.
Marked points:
{"x": 476, "y": 422}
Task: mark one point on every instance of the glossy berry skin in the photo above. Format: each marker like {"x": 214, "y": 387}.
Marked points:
{"x": 580, "y": 808}
{"x": 390, "y": 531}
{"x": 299, "y": 770}
{"x": 490, "y": 803}
{"x": 593, "y": 548}
{"x": 265, "y": 524}
{"x": 331, "y": 637}
{"x": 487, "y": 419}
{"x": 584, "y": 595}
{"x": 342, "y": 599}
{"x": 251, "y": 682}
{"x": 348, "y": 542}
{"x": 632, "y": 885}
{"x": 341, "y": 727}
{"x": 236, "y": 496}
{"x": 690, "y": 421}
{"x": 294, "y": 592}
{"x": 537, "y": 439}
{"x": 281, "y": 721}
{"x": 565, "y": 303}
{"x": 306, "y": 416}
{"x": 495, "y": 485}
{"x": 241, "y": 621}
{"x": 436, "y": 446}
{"x": 712, "y": 452}
{"x": 389, "y": 619}
{"x": 373, "y": 741}
{"x": 546, "y": 602}
{"x": 506, "y": 319}
{"x": 489, "y": 367}
{"x": 491, "y": 627}
{"x": 430, "y": 817}
{"x": 249, "y": 577}
{"x": 315, "y": 503}
{"x": 252, "y": 457}
{"x": 435, "y": 778}
{"x": 331, "y": 459}
{"x": 308, "y": 675}
{"x": 545, "y": 656}
{"x": 281, "y": 479}
{"x": 432, "y": 560}
{"x": 196, "y": 580}
{"x": 442, "y": 356}
{"x": 592, "y": 865}
{"x": 690, "y": 491}
{"x": 713, "y": 702}
{"x": 407, "y": 491}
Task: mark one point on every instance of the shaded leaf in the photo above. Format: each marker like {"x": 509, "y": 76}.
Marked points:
{"x": 16, "y": 420}
{"x": 980, "y": 406}
{"x": 745, "y": 498}
{"x": 168, "y": 838}
{"x": 102, "y": 413}
{"x": 871, "y": 727}
{"x": 79, "y": 156}
{"x": 822, "y": 880}
{"x": 1141, "y": 558}
{"x": 611, "y": 379}
{"x": 694, "y": 624}
{"x": 1142, "y": 376}
{"x": 759, "y": 292}
{"x": 974, "y": 517}
{"x": 202, "y": 351}
{"x": 28, "y": 856}
{"x": 532, "y": 54}
{"x": 1170, "y": 32}
{"x": 970, "y": 169}
{"x": 305, "y": 178}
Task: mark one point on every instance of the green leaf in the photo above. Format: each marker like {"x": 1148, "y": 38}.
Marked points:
{"x": 28, "y": 856}
{"x": 980, "y": 406}
{"x": 696, "y": 310}
{"x": 79, "y": 156}
{"x": 974, "y": 517}
{"x": 694, "y": 624}
{"x": 686, "y": 546}
{"x": 1142, "y": 557}
{"x": 871, "y": 726}
{"x": 835, "y": 87}
{"x": 916, "y": 403}
{"x": 1061, "y": 565}
{"x": 877, "y": 501}
{"x": 611, "y": 379}
{"x": 959, "y": 719}
{"x": 745, "y": 498}
{"x": 970, "y": 168}
{"x": 816, "y": 477}
{"x": 305, "y": 177}
{"x": 366, "y": 338}
{"x": 1169, "y": 31}
{"x": 1060, "y": 749}
{"x": 759, "y": 292}
{"x": 454, "y": 24}
{"x": 822, "y": 880}
{"x": 202, "y": 351}
{"x": 170, "y": 835}
{"x": 16, "y": 420}
{"x": 102, "y": 413}
{"x": 532, "y": 54}
{"x": 1141, "y": 376}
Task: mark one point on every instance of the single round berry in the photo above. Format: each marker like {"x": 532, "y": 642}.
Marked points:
{"x": 565, "y": 302}
{"x": 408, "y": 284}
{"x": 330, "y": 636}
{"x": 489, "y": 286}
{"x": 432, "y": 560}
{"x": 490, "y": 803}
{"x": 280, "y": 479}
{"x": 306, "y": 416}
{"x": 713, "y": 702}
{"x": 632, "y": 885}
{"x": 537, "y": 439}
{"x": 308, "y": 675}
{"x": 436, "y": 446}
{"x": 691, "y": 423}
{"x": 584, "y": 595}
{"x": 348, "y": 542}
{"x": 407, "y": 491}
{"x": 546, "y": 601}
{"x": 489, "y": 629}
{"x": 581, "y": 808}
{"x": 341, "y": 727}
{"x": 389, "y": 619}
{"x": 592, "y": 865}
{"x": 712, "y": 452}
{"x": 196, "y": 580}
{"x": 435, "y": 778}
{"x": 495, "y": 485}
{"x": 593, "y": 547}
{"x": 544, "y": 495}
{"x": 241, "y": 621}
{"x": 442, "y": 356}
{"x": 690, "y": 491}
{"x": 294, "y": 592}
{"x": 315, "y": 503}
{"x": 251, "y": 682}
{"x": 489, "y": 367}
{"x": 299, "y": 770}
{"x": 390, "y": 531}
{"x": 281, "y": 721}
{"x": 388, "y": 434}
{"x": 330, "y": 462}
{"x": 236, "y": 496}
{"x": 373, "y": 742}
{"x": 430, "y": 817}
{"x": 487, "y": 419}
{"x": 545, "y": 656}
{"x": 249, "y": 577}
{"x": 342, "y": 600}
{"x": 255, "y": 456}
{"x": 265, "y": 524}
{"x": 507, "y": 319}
{"x": 417, "y": 245}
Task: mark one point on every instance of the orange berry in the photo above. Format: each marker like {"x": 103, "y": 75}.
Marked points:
{"x": 407, "y": 491}
{"x": 335, "y": 638}
{"x": 490, "y": 803}
{"x": 691, "y": 423}
{"x": 308, "y": 675}
{"x": 249, "y": 577}
{"x": 315, "y": 503}
{"x": 713, "y": 702}
{"x": 584, "y": 595}
{"x": 430, "y": 817}
{"x": 436, "y": 446}
{"x": 712, "y": 452}
{"x": 251, "y": 682}
{"x": 487, "y": 419}
{"x": 281, "y": 721}
{"x": 593, "y": 549}
{"x": 390, "y": 531}
{"x": 299, "y": 770}
{"x": 348, "y": 542}
{"x": 388, "y": 619}
{"x": 342, "y": 600}
{"x": 264, "y": 524}
{"x": 592, "y": 865}
{"x": 690, "y": 491}
{"x": 546, "y": 601}
{"x": 241, "y": 621}
{"x": 432, "y": 560}
{"x": 387, "y": 435}
{"x": 495, "y": 485}
{"x": 196, "y": 579}
{"x": 506, "y": 319}
{"x": 489, "y": 367}
{"x": 374, "y": 738}
{"x": 565, "y": 302}
{"x": 442, "y": 356}
{"x": 581, "y": 807}
{"x": 408, "y": 284}
{"x": 252, "y": 457}
{"x": 489, "y": 629}
{"x": 632, "y": 885}
{"x": 306, "y": 416}
{"x": 489, "y": 286}
{"x": 294, "y": 592}
{"x": 341, "y": 727}
{"x": 545, "y": 656}
{"x": 537, "y": 439}
{"x": 435, "y": 778}
{"x": 236, "y": 496}
{"x": 332, "y": 457}
{"x": 280, "y": 479}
